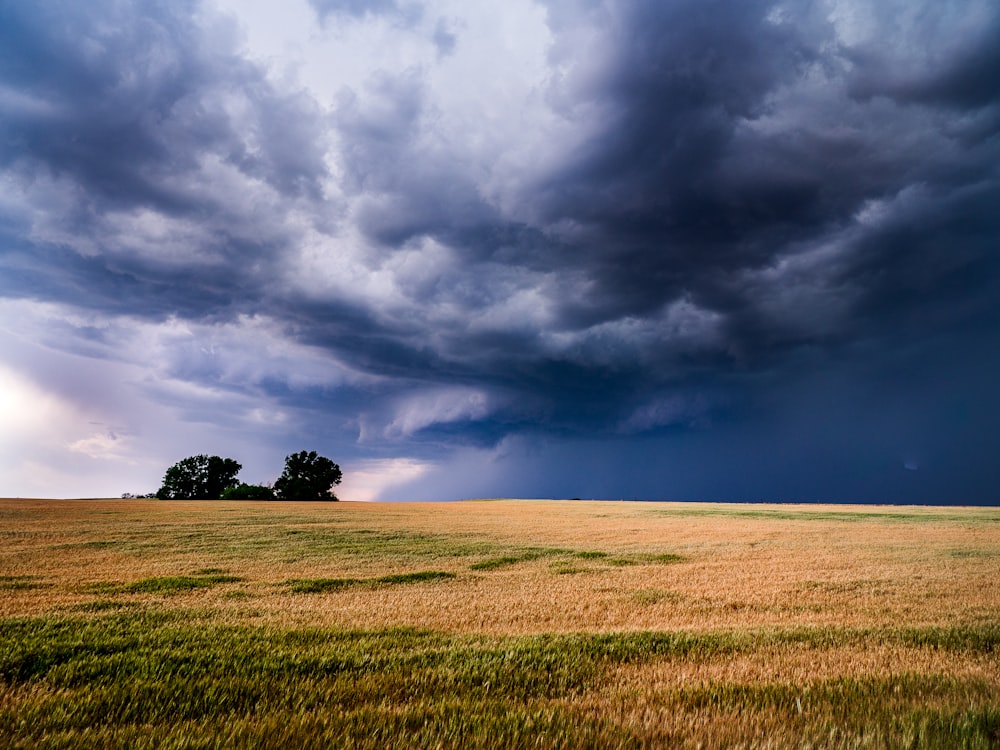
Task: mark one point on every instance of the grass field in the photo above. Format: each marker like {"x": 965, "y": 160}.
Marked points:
{"x": 497, "y": 624}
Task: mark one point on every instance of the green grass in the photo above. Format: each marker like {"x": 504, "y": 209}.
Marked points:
{"x": 321, "y": 585}
{"x": 972, "y": 553}
{"x": 285, "y": 537}
{"x": 520, "y": 556}
{"x": 174, "y": 584}
{"x": 564, "y": 565}
{"x": 665, "y": 558}
{"x": 328, "y": 585}
{"x": 493, "y": 563}
{"x": 21, "y": 583}
{"x": 92, "y": 544}
{"x": 161, "y": 584}
{"x": 603, "y": 561}
{"x": 417, "y": 577}
{"x": 102, "y": 605}
{"x": 149, "y": 679}
{"x": 568, "y": 568}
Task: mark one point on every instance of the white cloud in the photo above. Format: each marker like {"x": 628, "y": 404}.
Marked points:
{"x": 680, "y": 327}
{"x": 103, "y": 445}
{"x": 366, "y": 481}
{"x": 437, "y": 406}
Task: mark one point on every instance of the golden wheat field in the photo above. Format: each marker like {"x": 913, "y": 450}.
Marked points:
{"x": 634, "y": 624}
{"x": 587, "y": 566}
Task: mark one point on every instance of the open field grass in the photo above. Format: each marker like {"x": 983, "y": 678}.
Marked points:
{"x": 497, "y": 624}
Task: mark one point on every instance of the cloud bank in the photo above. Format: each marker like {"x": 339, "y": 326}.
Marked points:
{"x": 690, "y": 249}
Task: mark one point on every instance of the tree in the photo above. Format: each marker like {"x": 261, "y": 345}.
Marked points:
{"x": 248, "y": 492}
{"x": 308, "y": 476}
{"x": 201, "y": 477}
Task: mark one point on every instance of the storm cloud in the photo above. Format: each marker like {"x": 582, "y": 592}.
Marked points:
{"x": 690, "y": 249}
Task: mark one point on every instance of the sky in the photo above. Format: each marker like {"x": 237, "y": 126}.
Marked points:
{"x": 718, "y": 250}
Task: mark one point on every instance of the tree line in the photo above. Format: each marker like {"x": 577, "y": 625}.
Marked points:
{"x": 307, "y": 476}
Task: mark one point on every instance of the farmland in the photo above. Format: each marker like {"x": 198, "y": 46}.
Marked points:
{"x": 497, "y": 624}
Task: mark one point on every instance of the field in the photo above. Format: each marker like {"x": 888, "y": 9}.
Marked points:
{"x": 142, "y": 623}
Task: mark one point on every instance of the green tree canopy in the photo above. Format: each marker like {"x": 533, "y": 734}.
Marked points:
{"x": 308, "y": 476}
{"x": 248, "y": 492}
{"x": 199, "y": 477}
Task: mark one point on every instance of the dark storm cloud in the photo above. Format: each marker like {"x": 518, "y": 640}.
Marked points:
{"x": 678, "y": 192}
{"x": 719, "y": 159}
{"x": 729, "y": 141}
{"x": 732, "y": 196}
{"x": 410, "y": 188}
{"x": 121, "y": 110}
{"x": 966, "y": 79}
